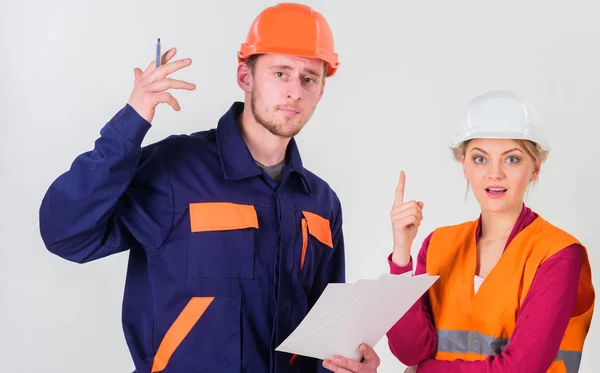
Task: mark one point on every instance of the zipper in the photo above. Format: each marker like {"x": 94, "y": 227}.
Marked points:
{"x": 304, "y": 241}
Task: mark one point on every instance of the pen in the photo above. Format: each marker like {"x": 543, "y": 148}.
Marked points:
{"x": 158, "y": 53}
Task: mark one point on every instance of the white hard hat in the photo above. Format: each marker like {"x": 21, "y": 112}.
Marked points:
{"x": 499, "y": 115}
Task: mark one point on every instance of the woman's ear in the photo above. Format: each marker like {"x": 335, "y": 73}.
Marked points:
{"x": 537, "y": 165}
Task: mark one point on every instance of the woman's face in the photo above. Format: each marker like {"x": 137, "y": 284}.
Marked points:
{"x": 499, "y": 171}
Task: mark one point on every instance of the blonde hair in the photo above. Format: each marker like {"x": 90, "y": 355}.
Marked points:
{"x": 535, "y": 151}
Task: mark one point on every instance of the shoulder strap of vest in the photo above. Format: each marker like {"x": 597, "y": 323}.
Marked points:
{"x": 445, "y": 243}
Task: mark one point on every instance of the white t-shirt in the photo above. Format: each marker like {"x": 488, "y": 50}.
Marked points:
{"x": 478, "y": 281}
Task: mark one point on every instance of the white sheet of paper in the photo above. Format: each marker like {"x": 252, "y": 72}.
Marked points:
{"x": 347, "y": 315}
{"x": 335, "y": 298}
{"x": 331, "y": 295}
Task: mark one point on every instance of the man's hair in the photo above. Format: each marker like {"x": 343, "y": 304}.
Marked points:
{"x": 251, "y": 62}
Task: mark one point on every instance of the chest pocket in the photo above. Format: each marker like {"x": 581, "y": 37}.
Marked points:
{"x": 315, "y": 239}
{"x": 222, "y": 240}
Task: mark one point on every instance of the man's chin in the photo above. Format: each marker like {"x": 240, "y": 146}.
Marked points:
{"x": 285, "y": 134}
{"x": 284, "y": 131}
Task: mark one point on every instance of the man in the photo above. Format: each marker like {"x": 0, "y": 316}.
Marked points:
{"x": 231, "y": 240}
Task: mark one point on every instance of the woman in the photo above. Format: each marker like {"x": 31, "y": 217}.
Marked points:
{"x": 515, "y": 292}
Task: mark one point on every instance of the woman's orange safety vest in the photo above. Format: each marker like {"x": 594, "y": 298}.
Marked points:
{"x": 472, "y": 327}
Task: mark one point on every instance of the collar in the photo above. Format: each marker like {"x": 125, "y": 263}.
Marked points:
{"x": 237, "y": 161}
{"x": 526, "y": 217}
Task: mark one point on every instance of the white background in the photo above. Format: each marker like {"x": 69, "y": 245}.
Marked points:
{"x": 407, "y": 70}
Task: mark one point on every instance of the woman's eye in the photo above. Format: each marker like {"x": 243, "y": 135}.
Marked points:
{"x": 512, "y": 160}
{"x": 280, "y": 74}
{"x": 478, "y": 159}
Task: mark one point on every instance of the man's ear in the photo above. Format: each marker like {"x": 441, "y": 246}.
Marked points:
{"x": 244, "y": 77}
{"x": 322, "y": 88}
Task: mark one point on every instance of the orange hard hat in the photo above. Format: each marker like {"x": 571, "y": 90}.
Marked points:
{"x": 291, "y": 29}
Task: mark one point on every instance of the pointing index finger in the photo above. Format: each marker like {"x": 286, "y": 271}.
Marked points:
{"x": 400, "y": 190}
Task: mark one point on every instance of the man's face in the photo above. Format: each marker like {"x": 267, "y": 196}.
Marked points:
{"x": 285, "y": 91}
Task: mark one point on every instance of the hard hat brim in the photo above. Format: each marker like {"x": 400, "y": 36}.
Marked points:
{"x": 458, "y": 140}
{"x": 331, "y": 59}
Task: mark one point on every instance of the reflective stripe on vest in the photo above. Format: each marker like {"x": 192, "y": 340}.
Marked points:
{"x": 462, "y": 342}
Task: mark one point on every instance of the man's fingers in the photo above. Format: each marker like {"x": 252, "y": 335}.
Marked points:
{"x": 369, "y": 354}
{"x": 337, "y": 368}
{"x": 167, "y": 83}
{"x": 137, "y": 72}
{"x": 168, "y": 55}
{"x": 349, "y": 364}
{"x": 166, "y": 97}
{"x": 169, "y": 68}
{"x": 151, "y": 67}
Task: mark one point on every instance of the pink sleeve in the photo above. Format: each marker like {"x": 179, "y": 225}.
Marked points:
{"x": 413, "y": 339}
{"x": 538, "y": 333}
